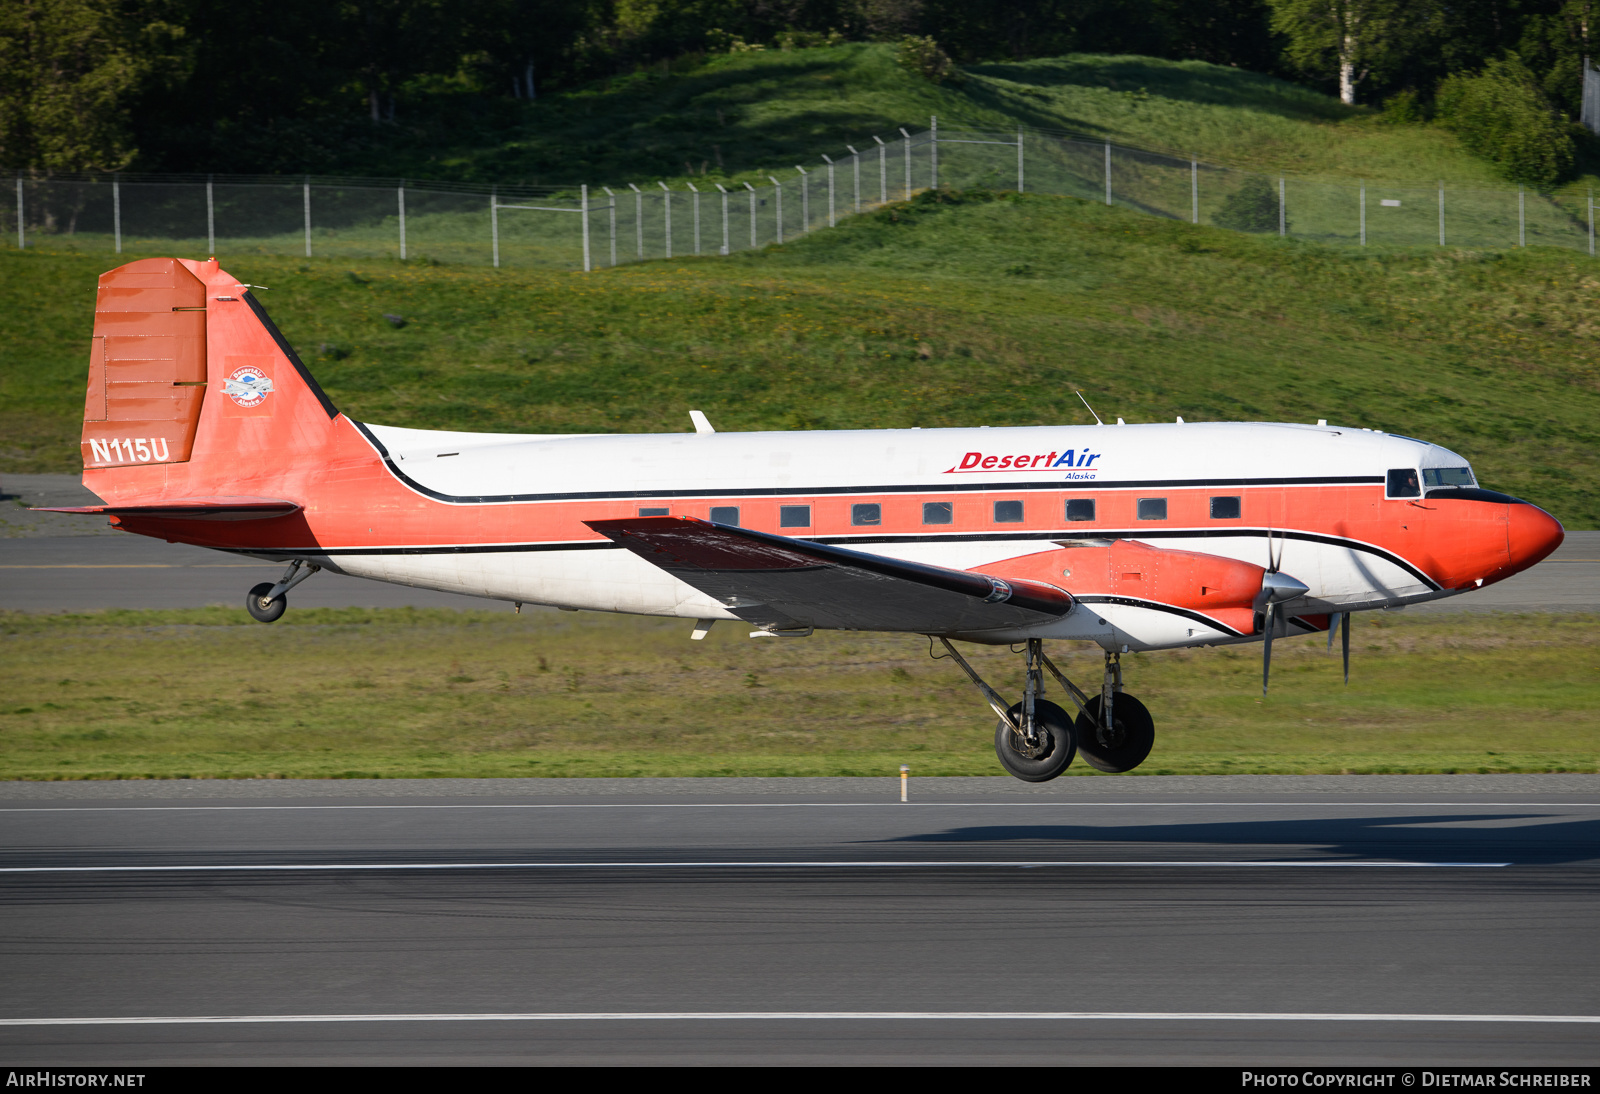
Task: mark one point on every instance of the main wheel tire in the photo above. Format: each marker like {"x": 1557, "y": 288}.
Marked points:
{"x": 1125, "y": 747}
{"x": 1054, "y": 726}
{"x": 261, "y": 609}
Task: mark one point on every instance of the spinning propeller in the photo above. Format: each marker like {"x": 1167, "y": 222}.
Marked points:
{"x": 1276, "y": 588}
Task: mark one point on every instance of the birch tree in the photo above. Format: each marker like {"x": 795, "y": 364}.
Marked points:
{"x": 1349, "y": 39}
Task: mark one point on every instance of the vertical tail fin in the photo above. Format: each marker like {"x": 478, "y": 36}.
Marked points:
{"x": 193, "y": 391}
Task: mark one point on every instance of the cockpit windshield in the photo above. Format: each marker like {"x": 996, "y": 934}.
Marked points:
{"x": 1435, "y": 477}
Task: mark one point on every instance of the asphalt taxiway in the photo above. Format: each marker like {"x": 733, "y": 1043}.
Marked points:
{"x": 1248, "y": 920}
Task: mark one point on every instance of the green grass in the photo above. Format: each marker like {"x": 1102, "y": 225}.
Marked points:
{"x": 960, "y": 310}
{"x": 744, "y": 115}
{"x": 358, "y": 693}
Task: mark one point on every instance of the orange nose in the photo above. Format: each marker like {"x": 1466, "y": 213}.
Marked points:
{"x": 1531, "y": 534}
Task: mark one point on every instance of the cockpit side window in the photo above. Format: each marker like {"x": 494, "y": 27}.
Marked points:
{"x": 1403, "y": 483}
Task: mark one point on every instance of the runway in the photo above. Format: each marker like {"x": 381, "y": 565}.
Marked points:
{"x": 1257, "y": 920}
{"x": 54, "y": 562}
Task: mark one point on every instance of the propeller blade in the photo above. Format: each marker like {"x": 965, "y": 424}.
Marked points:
{"x": 1333, "y": 627}
{"x": 1266, "y": 646}
{"x": 1345, "y": 639}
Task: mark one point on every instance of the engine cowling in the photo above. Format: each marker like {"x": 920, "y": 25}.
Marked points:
{"x": 1224, "y": 589}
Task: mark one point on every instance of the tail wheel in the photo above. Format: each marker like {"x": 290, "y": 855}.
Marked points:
{"x": 1126, "y": 744}
{"x": 1053, "y": 753}
{"x": 260, "y": 608}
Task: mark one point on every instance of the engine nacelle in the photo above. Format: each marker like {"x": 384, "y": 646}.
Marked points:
{"x": 1123, "y": 571}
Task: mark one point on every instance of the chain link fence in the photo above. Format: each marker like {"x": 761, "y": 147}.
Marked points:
{"x": 585, "y": 228}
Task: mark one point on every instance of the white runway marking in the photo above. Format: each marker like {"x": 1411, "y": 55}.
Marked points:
{"x": 828, "y": 865}
{"x": 792, "y": 1016}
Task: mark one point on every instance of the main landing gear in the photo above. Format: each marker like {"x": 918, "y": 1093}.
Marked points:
{"x": 266, "y": 602}
{"x": 1036, "y": 740}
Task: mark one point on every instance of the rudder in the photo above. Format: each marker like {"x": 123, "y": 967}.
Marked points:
{"x": 147, "y": 365}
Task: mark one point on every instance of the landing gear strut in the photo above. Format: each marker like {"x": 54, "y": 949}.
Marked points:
{"x": 266, "y": 602}
{"x": 1115, "y": 731}
{"x": 1036, "y": 739}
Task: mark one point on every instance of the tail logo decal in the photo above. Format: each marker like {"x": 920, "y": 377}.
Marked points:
{"x": 247, "y": 386}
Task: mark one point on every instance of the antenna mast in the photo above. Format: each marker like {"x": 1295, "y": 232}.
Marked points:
{"x": 1089, "y": 408}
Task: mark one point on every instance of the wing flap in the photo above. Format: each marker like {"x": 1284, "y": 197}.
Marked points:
{"x": 781, "y": 583}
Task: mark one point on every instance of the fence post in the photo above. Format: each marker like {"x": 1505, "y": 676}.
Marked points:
{"x": 830, "y": 189}
{"x": 724, "y": 194}
{"x": 211, "y": 222}
{"x": 855, "y": 166}
{"x": 612, "y": 198}
{"x": 22, "y": 240}
{"x": 1283, "y": 220}
{"x": 777, "y": 197}
{"x": 1441, "y": 212}
{"x": 1363, "y": 212}
{"x": 308, "y": 216}
{"x": 805, "y": 199}
{"x": 907, "y": 138}
{"x": 933, "y": 130}
{"x": 1108, "y": 172}
{"x": 666, "y": 210}
{"x": 1019, "y": 160}
{"x": 116, "y": 214}
{"x": 883, "y": 171}
{"x": 695, "y": 202}
{"x": 638, "y": 218}
{"x": 1591, "y": 220}
{"x": 402, "y": 196}
{"x": 752, "y": 190}
{"x": 583, "y": 196}
{"x": 1194, "y": 192}
{"x": 494, "y": 226}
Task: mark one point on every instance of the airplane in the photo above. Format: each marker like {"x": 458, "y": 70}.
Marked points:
{"x": 203, "y": 426}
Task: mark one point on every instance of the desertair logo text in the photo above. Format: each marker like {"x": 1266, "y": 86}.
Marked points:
{"x": 977, "y": 463}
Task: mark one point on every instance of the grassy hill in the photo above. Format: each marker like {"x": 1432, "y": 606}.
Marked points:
{"x": 964, "y": 309}
{"x": 742, "y": 115}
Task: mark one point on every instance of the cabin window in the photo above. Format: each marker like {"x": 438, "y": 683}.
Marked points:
{"x": 654, "y": 511}
{"x": 1152, "y": 508}
{"x": 938, "y": 512}
{"x": 725, "y": 514}
{"x": 1080, "y": 508}
{"x": 866, "y": 513}
{"x": 1008, "y": 512}
{"x": 1403, "y": 483}
{"x": 794, "y": 516}
{"x": 1225, "y": 508}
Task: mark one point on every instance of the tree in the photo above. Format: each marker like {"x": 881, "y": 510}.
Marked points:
{"x": 70, "y": 71}
{"x": 1351, "y": 38}
{"x": 1502, "y": 115}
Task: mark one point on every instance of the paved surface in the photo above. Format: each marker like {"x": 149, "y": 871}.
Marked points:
{"x": 55, "y": 562}
{"x": 536, "y": 921}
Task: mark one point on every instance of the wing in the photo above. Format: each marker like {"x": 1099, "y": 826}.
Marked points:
{"x": 783, "y": 583}
{"x": 190, "y": 509}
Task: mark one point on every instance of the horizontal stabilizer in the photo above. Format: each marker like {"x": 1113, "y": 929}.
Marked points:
{"x": 781, "y": 583}
{"x": 227, "y": 508}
